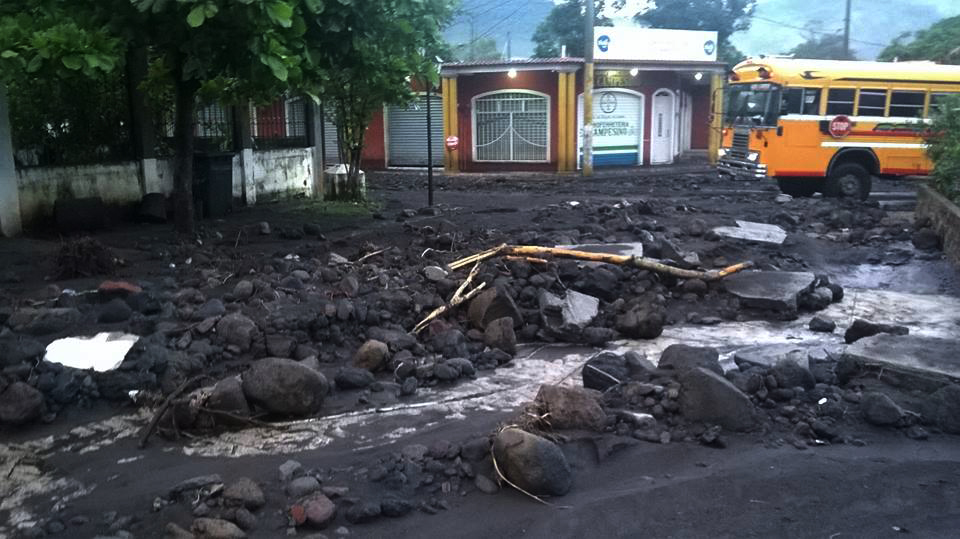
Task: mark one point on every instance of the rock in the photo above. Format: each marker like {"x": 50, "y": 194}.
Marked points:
{"x": 445, "y": 372}
{"x": 280, "y": 345}
{"x": 879, "y": 409}
{"x": 302, "y": 486}
{"x": 215, "y": 528}
{"x": 353, "y": 378}
{"x": 476, "y": 449}
{"x": 463, "y": 366}
{"x": 243, "y": 290}
{"x": 942, "y": 408}
{"x": 532, "y": 463}
{"x": 601, "y": 282}
{"x": 491, "y": 305}
{"x": 694, "y": 286}
{"x": 499, "y": 334}
{"x": 485, "y": 485}
{"x": 409, "y": 386}
{"x": 212, "y": 308}
{"x": 571, "y": 407}
{"x": 172, "y": 531}
{"x": 864, "y": 328}
{"x": 817, "y": 300}
{"x": 706, "y": 396}
{"x": 114, "y": 311}
{"x": 289, "y": 469}
{"x": 237, "y": 330}
{"x": 769, "y": 290}
{"x": 604, "y": 371}
{"x": 283, "y": 386}
{"x": 363, "y": 512}
{"x": 194, "y": 483}
{"x": 595, "y": 336}
{"x": 768, "y": 355}
{"x": 16, "y": 350}
{"x": 822, "y": 325}
{"x": 319, "y": 511}
{"x": 926, "y": 239}
{"x": 434, "y": 273}
{"x": 578, "y": 310}
{"x": 245, "y": 492}
{"x": 395, "y": 508}
{"x": 793, "y": 372}
{"x": 450, "y": 343}
{"x": 243, "y": 518}
{"x": 264, "y": 228}
{"x": 227, "y": 396}
{"x": 682, "y": 358}
{"x": 642, "y": 322}
{"x": 396, "y": 340}
{"x": 20, "y": 403}
{"x": 372, "y": 355}
{"x": 44, "y": 321}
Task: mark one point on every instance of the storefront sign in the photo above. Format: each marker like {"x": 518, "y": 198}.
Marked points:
{"x": 616, "y": 128}
{"x": 654, "y": 44}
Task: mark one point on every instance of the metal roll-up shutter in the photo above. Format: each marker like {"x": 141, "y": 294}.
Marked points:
{"x": 331, "y": 149}
{"x": 407, "y": 133}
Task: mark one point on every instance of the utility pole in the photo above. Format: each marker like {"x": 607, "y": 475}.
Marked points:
{"x": 472, "y": 39}
{"x": 509, "y": 55}
{"x": 588, "y": 91}
{"x": 846, "y": 32}
{"x": 429, "y": 148}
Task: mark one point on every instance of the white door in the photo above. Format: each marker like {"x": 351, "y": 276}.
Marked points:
{"x": 661, "y": 140}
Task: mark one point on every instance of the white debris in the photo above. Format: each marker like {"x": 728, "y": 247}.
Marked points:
{"x": 750, "y": 231}
{"x": 103, "y": 352}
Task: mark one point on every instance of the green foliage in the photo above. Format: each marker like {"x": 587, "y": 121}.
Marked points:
{"x": 564, "y": 26}
{"x": 723, "y": 16}
{"x": 940, "y": 43}
{"x": 484, "y": 48}
{"x": 943, "y": 147}
{"x": 822, "y": 47}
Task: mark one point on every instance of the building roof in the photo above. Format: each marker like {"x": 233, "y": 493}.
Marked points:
{"x": 573, "y": 64}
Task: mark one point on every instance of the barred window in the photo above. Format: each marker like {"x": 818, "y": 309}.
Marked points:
{"x": 511, "y": 126}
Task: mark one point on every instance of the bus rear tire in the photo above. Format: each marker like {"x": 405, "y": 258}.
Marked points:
{"x": 848, "y": 180}
{"x": 798, "y": 187}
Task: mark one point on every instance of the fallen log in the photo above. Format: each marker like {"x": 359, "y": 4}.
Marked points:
{"x": 533, "y": 251}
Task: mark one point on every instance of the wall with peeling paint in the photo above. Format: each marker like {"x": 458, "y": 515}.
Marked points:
{"x": 283, "y": 173}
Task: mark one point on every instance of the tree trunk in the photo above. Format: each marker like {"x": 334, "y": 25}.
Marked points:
{"x": 184, "y": 105}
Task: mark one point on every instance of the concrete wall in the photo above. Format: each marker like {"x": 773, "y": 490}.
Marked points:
{"x": 945, "y": 218}
{"x": 281, "y": 173}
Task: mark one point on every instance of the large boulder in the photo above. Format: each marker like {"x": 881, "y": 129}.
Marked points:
{"x": 532, "y": 463}
{"x": 353, "y": 378}
{"x": 605, "y": 370}
{"x": 44, "y": 321}
{"x": 942, "y": 408}
{"x": 283, "y": 386}
{"x": 499, "y": 334}
{"x": 20, "y": 403}
{"x": 491, "y": 305}
{"x": 571, "y": 407}
{"x": 238, "y": 330}
{"x": 642, "y": 322}
{"x": 372, "y": 355}
{"x": 865, "y": 328}
{"x": 244, "y": 492}
{"x": 215, "y": 528}
{"x": 682, "y": 358}
{"x": 879, "y": 409}
{"x": 319, "y": 511}
{"x": 709, "y": 397}
{"x": 769, "y": 290}
{"x": 227, "y": 396}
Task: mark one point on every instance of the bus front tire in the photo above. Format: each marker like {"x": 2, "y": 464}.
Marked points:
{"x": 849, "y": 180}
{"x": 798, "y": 187}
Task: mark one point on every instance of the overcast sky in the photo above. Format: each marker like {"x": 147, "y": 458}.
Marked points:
{"x": 777, "y": 26}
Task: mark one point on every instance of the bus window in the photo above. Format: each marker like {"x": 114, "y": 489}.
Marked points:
{"x": 937, "y": 99}
{"x": 906, "y": 104}
{"x": 801, "y": 101}
{"x": 840, "y": 101}
{"x": 874, "y": 102}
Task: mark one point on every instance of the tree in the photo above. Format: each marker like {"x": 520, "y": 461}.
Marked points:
{"x": 564, "y": 25}
{"x": 371, "y": 52}
{"x": 943, "y": 147}
{"x": 484, "y": 48}
{"x": 723, "y": 16}
{"x": 940, "y": 43}
{"x": 822, "y": 47}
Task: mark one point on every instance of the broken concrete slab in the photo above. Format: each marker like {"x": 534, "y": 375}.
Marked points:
{"x": 909, "y": 353}
{"x": 578, "y": 309}
{"x": 709, "y": 397}
{"x": 769, "y": 355}
{"x": 772, "y": 290}
{"x": 750, "y": 231}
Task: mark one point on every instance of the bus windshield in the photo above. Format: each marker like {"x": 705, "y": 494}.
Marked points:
{"x": 754, "y": 104}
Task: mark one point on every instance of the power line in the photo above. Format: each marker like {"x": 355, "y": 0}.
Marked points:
{"x": 812, "y": 31}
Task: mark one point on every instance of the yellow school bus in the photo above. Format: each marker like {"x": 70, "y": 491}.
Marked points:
{"x": 830, "y": 126}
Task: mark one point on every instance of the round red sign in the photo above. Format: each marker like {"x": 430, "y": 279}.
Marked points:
{"x": 452, "y": 142}
{"x": 840, "y": 126}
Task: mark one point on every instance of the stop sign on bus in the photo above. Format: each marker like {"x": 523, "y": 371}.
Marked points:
{"x": 840, "y": 126}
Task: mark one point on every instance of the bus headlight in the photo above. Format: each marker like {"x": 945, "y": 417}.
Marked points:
{"x": 753, "y": 156}
{"x": 721, "y": 152}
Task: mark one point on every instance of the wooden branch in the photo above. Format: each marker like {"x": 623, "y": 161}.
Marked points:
{"x": 370, "y": 255}
{"x": 152, "y": 426}
{"x": 533, "y": 251}
{"x": 456, "y": 300}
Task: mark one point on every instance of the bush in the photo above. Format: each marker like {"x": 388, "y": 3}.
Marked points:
{"x": 944, "y": 148}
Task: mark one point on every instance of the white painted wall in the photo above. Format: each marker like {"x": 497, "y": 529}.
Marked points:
{"x": 283, "y": 173}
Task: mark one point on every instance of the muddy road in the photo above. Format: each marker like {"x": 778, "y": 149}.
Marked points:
{"x": 77, "y": 470}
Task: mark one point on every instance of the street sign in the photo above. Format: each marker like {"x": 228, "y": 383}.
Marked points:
{"x": 452, "y": 142}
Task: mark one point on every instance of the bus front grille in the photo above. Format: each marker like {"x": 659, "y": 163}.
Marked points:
{"x": 741, "y": 143}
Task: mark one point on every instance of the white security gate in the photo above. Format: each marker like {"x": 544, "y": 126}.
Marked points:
{"x": 331, "y": 145}
{"x": 407, "y": 133}
{"x": 661, "y": 141}
{"x": 617, "y": 128}
{"x": 511, "y": 126}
